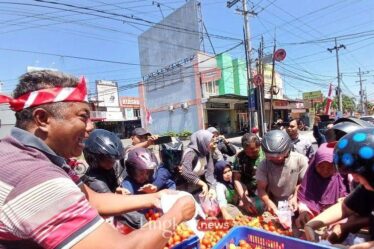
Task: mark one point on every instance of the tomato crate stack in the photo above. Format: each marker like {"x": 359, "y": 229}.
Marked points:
{"x": 242, "y": 237}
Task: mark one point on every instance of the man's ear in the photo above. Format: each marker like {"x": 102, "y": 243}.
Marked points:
{"x": 41, "y": 118}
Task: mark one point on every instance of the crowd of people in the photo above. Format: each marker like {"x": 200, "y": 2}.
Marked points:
{"x": 47, "y": 203}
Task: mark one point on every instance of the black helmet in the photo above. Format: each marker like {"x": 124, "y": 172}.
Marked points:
{"x": 354, "y": 153}
{"x": 102, "y": 143}
{"x": 344, "y": 126}
{"x": 171, "y": 154}
{"x": 276, "y": 142}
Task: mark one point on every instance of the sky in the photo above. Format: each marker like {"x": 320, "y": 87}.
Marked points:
{"x": 98, "y": 38}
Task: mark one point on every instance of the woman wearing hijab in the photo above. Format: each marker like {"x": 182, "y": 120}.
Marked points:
{"x": 227, "y": 197}
{"x": 197, "y": 168}
{"x": 321, "y": 187}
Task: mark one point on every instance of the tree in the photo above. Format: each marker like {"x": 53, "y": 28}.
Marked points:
{"x": 349, "y": 104}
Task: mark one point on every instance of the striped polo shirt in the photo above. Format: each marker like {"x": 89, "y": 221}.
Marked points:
{"x": 41, "y": 204}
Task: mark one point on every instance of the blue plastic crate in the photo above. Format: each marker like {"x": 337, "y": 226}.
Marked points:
{"x": 265, "y": 240}
{"x": 190, "y": 243}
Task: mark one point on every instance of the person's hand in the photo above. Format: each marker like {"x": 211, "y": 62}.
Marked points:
{"x": 249, "y": 206}
{"x": 292, "y": 203}
{"x": 212, "y": 194}
{"x": 310, "y": 233}
{"x": 303, "y": 218}
{"x": 204, "y": 189}
{"x": 222, "y": 138}
{"x": 337, "y": 234}
{"x": 272, "y": 208}
{"x": 151, "y": 139}
{"x": 122, "y": 191}
{"x": 186, "y": 207}
{"x": 148, "y": 188}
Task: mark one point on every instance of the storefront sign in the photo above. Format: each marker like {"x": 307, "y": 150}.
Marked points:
{"x": 214, "y": 105}
{"x": 280, "y": 104}
{"x": 130, "y": 102}
{"x": 312, "y": 95}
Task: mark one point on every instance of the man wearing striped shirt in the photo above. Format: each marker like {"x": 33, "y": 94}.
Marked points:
{"x": 43, "y": 204}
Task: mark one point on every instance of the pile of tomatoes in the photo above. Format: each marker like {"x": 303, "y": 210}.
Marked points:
{"x": 243, "y": 245}
{"x": 211, "y": 238}
{"x": 265, "y": 222}
{"x": 152, "y": 215}
{"x": 182, "y": 232}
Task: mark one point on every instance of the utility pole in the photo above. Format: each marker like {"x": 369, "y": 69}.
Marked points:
{"x": 366, "y": 102}
{"x": 248, "y": 48}
{"x": 271, "y": 88}
{"x": 362, "y": 109}
{"x": 336, "y": 48}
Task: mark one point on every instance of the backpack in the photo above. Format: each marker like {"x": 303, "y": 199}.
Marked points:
{"x": 171, "y": 155}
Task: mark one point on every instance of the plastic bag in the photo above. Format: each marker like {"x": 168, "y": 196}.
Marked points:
{"x": 284, "y": 214}
{"x": 210, "y": 206}
{"x": 168, "y": 200}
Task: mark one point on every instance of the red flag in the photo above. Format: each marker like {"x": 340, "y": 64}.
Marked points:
{"x": 329, "y": 101}
{"x": 148, "y": 116}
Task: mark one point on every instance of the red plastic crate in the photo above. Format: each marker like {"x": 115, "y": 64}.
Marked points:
{"x": 265, "y": 240}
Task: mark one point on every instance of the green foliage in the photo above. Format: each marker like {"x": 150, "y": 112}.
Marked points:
{"x": 170, "y": 133}
{"x": 349, "y": 104}
{"x": 185, "y": 133}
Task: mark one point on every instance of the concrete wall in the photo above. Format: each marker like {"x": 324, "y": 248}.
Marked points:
{"x": 159, "y": 100}
{"x": 177, "y": 120}
{"x": 8, "y": 120}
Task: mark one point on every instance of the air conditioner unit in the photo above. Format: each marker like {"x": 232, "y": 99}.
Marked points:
{"x": 184, "y": 105}
{"x": 171, "y": 108}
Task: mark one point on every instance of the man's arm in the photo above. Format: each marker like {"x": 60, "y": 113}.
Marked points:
{"x": 111, "y": 204}
{"x": 152, "y": 235}
{"x": 261, "y": 189}
{"x": 329, "y": 216}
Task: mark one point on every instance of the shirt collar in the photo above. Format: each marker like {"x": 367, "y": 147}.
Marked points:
{"x": 30, "y": 140}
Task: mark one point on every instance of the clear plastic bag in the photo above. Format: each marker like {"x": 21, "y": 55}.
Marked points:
{"x": 210, "y": 206}
{"x": 284, "y": 214}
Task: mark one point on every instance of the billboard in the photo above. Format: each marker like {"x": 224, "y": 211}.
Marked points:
{"x": 107, "y": 93}
{"x": 175, "y": 38}
{"x": 312, "y": 95}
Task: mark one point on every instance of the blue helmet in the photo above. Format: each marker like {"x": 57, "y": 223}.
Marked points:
{"x": 354, "y": 153}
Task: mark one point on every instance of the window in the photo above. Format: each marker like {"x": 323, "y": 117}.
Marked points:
{"x": 210, "y": 88}
{"x": 136, "y": 112}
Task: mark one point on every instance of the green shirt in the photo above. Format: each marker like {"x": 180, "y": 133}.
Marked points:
{"x": 247, "y": 169}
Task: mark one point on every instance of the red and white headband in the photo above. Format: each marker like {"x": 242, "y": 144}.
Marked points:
{"x": 47, "y": 96}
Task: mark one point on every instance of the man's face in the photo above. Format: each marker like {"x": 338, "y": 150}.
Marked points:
{"x": 106, "y": 163}
{"x": 137, "y": 139}
{"x": 293, "y": 130}
{"x": 252, "y": 150}
{"x": 277, "y": 159}
{"x": 65, "y": 135}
